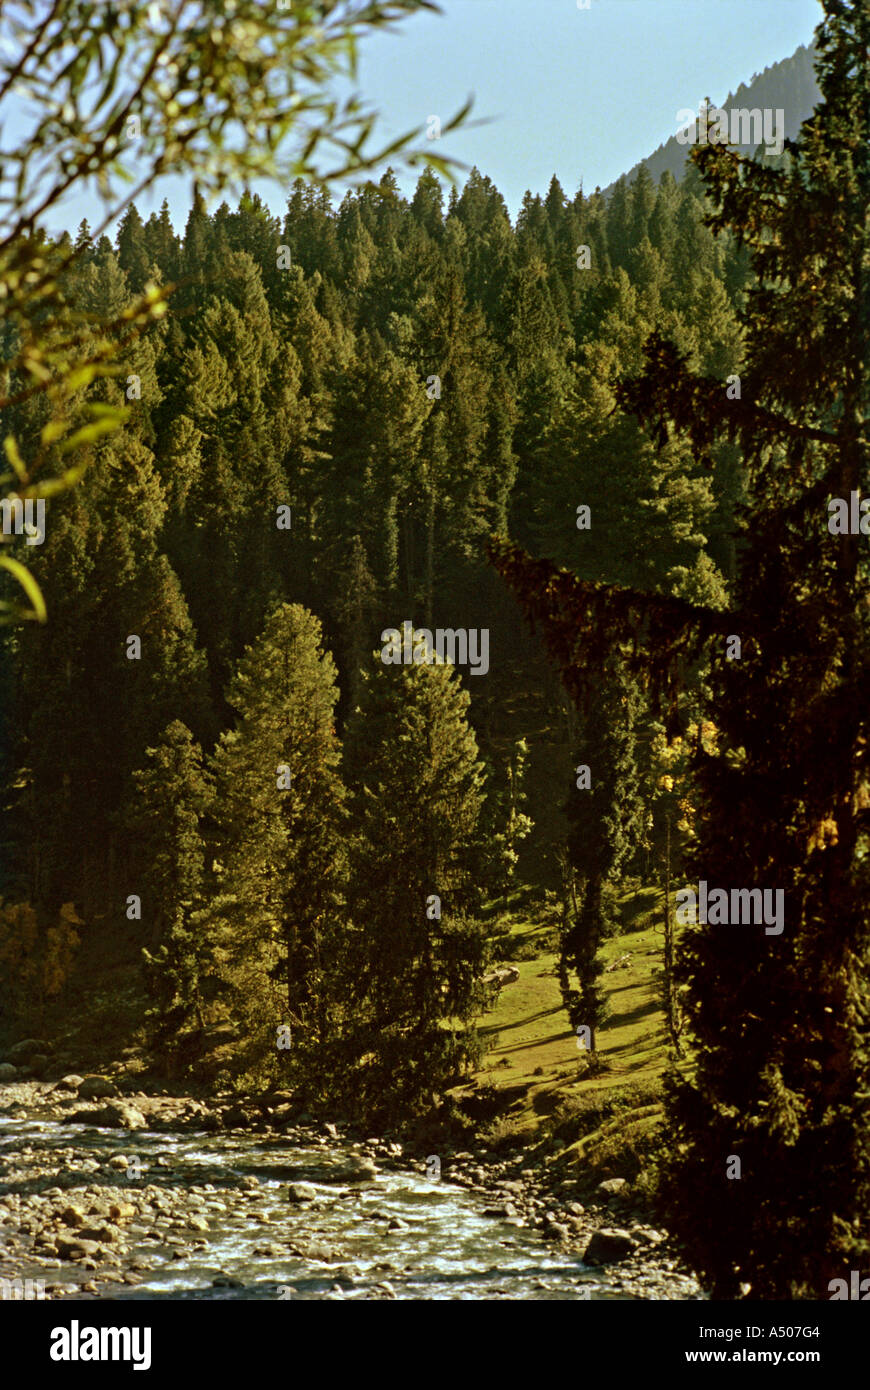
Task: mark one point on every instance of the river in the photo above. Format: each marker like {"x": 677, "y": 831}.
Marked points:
{"x": 213, "y": 1220}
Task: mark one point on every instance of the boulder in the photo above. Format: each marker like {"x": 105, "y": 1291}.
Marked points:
{"x": 609, "y": 1245}
{"x": 97, "y": 1088}
{"x": 508, "y": 975}
{"x": 355, "y": 1170}
{"x": 299, "y": 1192}
{"x": 122, "y": 1211}
{"x": 612, "y": 1187}
{"x": 76, "y": 1249}
{"x": 27, "y": 1048}
{"x": 121, "y": 1115}
{"x": 69, "y": 1083}
{"x": 98, "y": 1234}
{"x": 7, "y": 1071}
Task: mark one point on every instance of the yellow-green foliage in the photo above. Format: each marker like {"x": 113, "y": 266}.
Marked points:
{"x": 35, "y": 960}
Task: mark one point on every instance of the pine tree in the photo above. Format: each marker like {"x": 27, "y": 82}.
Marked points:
{"x": 604, "y": 815}
{"x": 96, "y": 687}
{"x": 279, "y": 813}
{"x": 133, "y": 250}
{"x": 173, "y": 796}
{"x": 415, "y": 875}
{"x": 642, "y": 202}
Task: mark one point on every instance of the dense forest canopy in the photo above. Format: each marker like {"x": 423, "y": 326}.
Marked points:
{"x": 341, "y": 406}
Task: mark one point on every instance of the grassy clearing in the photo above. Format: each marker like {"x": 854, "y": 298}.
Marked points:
{"x": 606, "y": 1122}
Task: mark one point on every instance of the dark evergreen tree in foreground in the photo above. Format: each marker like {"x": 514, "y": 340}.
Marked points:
{"x": 604, "y": 820}
{"x": 415, "y": 872}
{"x": 781, "y": 1073}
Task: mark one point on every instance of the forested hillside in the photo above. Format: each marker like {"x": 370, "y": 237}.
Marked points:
{"x": 789, "y": 86}
{"x": 204, "y": 752}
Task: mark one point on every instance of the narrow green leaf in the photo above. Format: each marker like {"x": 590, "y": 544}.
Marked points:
{"x": 30, "y": 587}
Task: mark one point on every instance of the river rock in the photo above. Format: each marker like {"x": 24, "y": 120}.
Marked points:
{"x": 72, "y": 1216}
{"x": 28, "y": 1047}
{"x": 322, "y": 1254}
{"x": 554, "y": 1230}
{"x": 108, "y": 1234}
{"x": 119, "y": 1116}
{"x": 299, "y": 1192}
{"x": 68, "y": 1083}
{"x": 235, "y": 1117}
{"x": 612, "y": 1187}
{"x": 122, "y": 1211}
{"x": 608, "y": 1245}
{"x": 7, "y": 1071}
{"x": 77, "y": 1249}
{"x": 96, "y": 1088}
{"x": 649, "y": 1237}
{"x": 355, "y": 1170}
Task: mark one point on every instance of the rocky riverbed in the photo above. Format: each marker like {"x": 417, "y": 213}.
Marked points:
{"x": 106, "y": 1191}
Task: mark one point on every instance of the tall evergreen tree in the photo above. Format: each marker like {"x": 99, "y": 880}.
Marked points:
{"x": 173, "y": 797}
{"x": 604, "y": 815}
{"x": 278, "y": 815}
{"x": 416, "y": 869}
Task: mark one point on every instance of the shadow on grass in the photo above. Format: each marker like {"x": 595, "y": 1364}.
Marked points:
{"x": 519, "y": 1022}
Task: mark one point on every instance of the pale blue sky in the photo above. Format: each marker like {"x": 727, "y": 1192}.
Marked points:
{"x": 583, "y": 93}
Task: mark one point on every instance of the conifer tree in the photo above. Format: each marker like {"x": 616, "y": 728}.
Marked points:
{"x": 604, "y": 815}
{"x": 133, "y": 250}
{"x": 173, "y": 797}
{"x": 279, "y": 814}
{"x": 415, "y": 876}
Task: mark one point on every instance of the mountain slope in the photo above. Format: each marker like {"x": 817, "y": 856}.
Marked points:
{"x": 790, "y": 85}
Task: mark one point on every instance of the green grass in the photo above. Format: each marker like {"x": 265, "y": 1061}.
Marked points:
{"x": 607, "y": 1121}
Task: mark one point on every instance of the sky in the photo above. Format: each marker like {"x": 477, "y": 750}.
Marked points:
{"x": 582, "y": 93}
